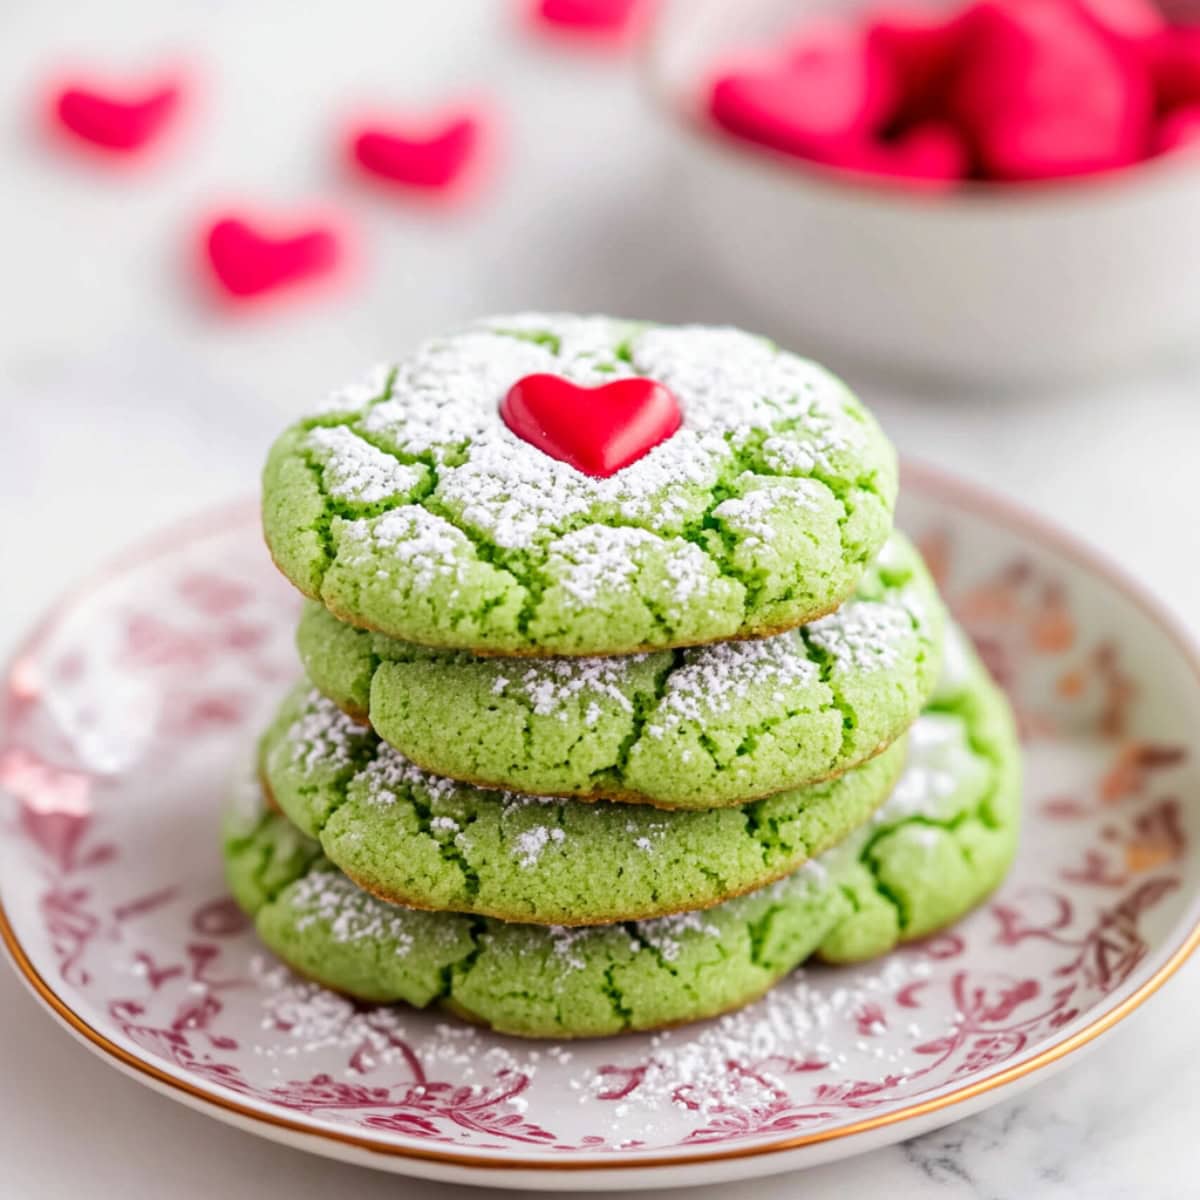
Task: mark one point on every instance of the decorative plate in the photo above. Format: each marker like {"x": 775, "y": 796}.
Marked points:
{"x": 125, "y": 713}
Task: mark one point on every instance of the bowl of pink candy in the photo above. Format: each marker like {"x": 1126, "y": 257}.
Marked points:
{"x": 994, "y": 190}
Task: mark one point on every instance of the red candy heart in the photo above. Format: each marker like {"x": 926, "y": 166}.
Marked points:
{"x": 433, "y": 161}
{"x": 851, "y": 86}
{"x": 1132, "y": 20}
{"x": 119, "y": 124}
{"x": 1044, "y": 92}
{"x": 1179, "y": 131}
{"x": 826, "y": 92}
{"x": 927, "y": 157}
{"x": 920, "y": 47}
{"x": 1175, "y": 66}
{"x": 606, "y": 18}
{"x": 249, "y": 263}
{"x": 596, "y": 430}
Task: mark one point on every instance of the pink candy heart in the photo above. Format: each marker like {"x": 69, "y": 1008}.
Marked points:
{"x": 117, "y": 124}
{"x": 920, "y": 48}
{"x": 607, "y": 19}
{"x": 248, "y": 263}
{"x": 927, "y": 157}
{"x": 1174, "y": 58}
{"x": 1179, "y": 131}
{"x": 825, "y": 95}
{"x": 1135, "y": 21}
{"x": 432, "y": 160}
{"x": 1043, "y": 92}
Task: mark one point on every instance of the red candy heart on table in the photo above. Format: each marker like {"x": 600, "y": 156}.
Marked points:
{"x": 596, "y": 430}
{"x": 118, "y": 124}
{"x": 1044, "y": 92}
{"x": 249, "y": 263}
{"x": 826, "y": 92}
{"x": 431, "y": 161}
{"x": 603, "y": 18}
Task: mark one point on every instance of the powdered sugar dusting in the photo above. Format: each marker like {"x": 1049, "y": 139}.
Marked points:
{"x": 957, "y": 662}
{"x": 530, "y": 843}
{"x": 354, "y": 396}
{"x": 445, "y": 405}
{"x": 357, "y": 472}
{"x": 350, "y": 914}
{"x": 324, "y": 737}
{"x": 647, "y": 834}
{"x": 603, "y": 559}
{"x": 766, "y": 505}
{"x": 801, "y": 1020}
{"x": 549, "y": 685}
{"x": 389, "y": 774}
{"x": 600, "y": 558}
{"x": 940, "y": 761}
{"x": 565, "y": 940}
{"x": 689, "y": 570}
{"x": 429, "y": 545}
{"x": 863, "y": 635}
{"x": 712, "y": 680}
{"x": 666, "y": 934}
{"x": 732, "y": 380}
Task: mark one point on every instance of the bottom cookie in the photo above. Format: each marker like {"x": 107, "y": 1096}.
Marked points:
{"x": 936, "y": 847}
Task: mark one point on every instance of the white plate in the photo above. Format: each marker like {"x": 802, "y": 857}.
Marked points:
{"x": 126, "y": 710}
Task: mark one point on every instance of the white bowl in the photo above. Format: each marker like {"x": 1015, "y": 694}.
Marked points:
{"x": 997, "y": 282}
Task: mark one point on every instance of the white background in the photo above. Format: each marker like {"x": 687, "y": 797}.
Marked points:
{"x": 127, "y": 400}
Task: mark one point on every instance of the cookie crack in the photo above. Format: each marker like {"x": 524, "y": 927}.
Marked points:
{"x": 833, "y": 434}
{"x": 980, "y": 812}
{"x": 825, "y": 662}
{"x": 644, "y": 705}
{"x": 764, "y": 833}
{"x": 616, "y": 997}
{"x": 266, "y": 856}
{"x": 634, "y": 930}
{"x": 524, "y": 566}
{"x": 451, "y": 849}
{"x": 757, "y": 931}
{"x": 462, "y": 967}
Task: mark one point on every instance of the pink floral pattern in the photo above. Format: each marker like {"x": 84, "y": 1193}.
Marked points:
{"x": 125, "y": 714}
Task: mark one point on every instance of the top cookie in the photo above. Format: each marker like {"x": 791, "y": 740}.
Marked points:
{"x": 408, "y": 505}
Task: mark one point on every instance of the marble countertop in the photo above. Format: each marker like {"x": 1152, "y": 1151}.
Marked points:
{"x": 126, "y": 402}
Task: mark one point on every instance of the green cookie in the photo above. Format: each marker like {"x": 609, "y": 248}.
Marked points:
{"x": 427, "y": 842}
{"x": 938, "y": 846}
{"x": 408, "y": 506}
{"x": 697, "y": 729}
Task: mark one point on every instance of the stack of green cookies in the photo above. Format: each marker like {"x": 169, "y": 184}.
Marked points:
{"x": 589, "y": 748}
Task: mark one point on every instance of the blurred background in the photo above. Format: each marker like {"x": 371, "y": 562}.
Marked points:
{"x": 1041, "y": 337}
{"x": 131, "y": 394}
